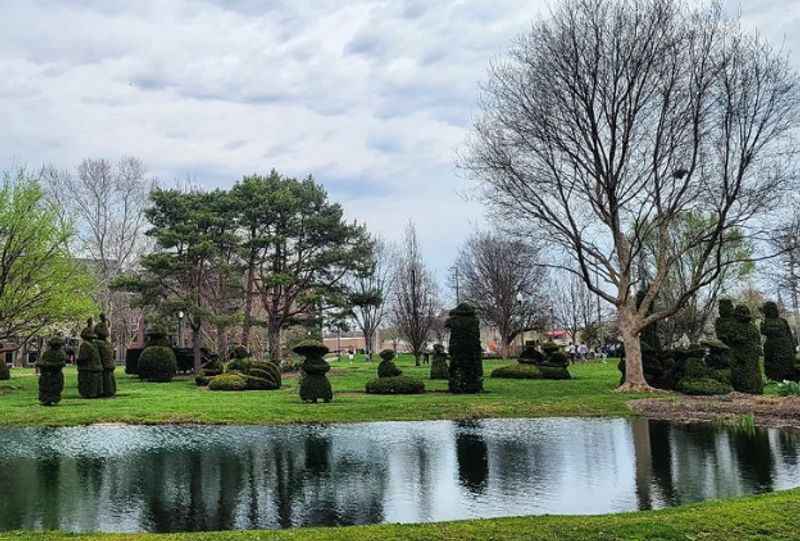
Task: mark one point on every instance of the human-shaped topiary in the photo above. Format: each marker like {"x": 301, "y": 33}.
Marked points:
{"x": 157, "y": 362}
{"x": 530, "y": 355}
{"x": 745, "y": 343}
{"x": 314, "y": 384}
{"x": 90, "y": 366}
{"x": 779, "y": 357}
{"x": 693, "y": 376}
{"x": 466, "y": 362}
{"x": 106, "y": 353}
{"x": 51, "y": 379}
{"x": 439, "y": 368}
{"x": 387, "y": 368}
{"x": 5, "y": 373}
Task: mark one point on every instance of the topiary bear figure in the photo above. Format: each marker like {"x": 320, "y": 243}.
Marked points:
{"x": 745, "y": 342}
{"x": 387, "y": 368}
{"x": 51, "y": 379}
{"x": 157, "y": 362}
{"x": 90, "y": 366}
{"x": 106, "y": 353}
{"x": 466, "y": 362}
{"x": 314, "y": 385}
{"x": 779, "y": 355}
{"x": 439, "y": 368}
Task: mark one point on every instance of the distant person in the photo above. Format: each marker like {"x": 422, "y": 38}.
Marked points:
{"x": 571, "y": 352}
{"x": 582, "y": 352}
{"x": 350, "y": 356}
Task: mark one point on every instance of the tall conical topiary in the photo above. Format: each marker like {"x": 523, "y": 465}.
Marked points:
{"x": 51, "y": 378}
{"x": 466, "y": 363}
{"x": 106, "y": 353}
{"x": 90, "y": 366}
{"x": 745, "y": 343}
{"x": 439, "y": 368}
{"x": 779, "y": 357}
{"x": 314, "y": 385}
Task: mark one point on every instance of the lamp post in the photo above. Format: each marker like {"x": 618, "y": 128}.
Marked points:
{"x": 180, "y": 328}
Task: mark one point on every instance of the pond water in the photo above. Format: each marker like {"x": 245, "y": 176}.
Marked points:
{"x": 172, "y": 478}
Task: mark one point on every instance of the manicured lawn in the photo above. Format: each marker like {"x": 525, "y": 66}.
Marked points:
{"x": 591, "y": 393}
{"x": 769, "y": 517}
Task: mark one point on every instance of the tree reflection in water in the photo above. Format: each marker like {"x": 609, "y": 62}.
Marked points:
{"x": 165, "y": 479}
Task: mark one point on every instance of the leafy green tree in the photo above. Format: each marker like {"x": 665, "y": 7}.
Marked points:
{"x": 190, "y": 269}
{"x": 41, "y": 285}
{"x": 298, "y": 251}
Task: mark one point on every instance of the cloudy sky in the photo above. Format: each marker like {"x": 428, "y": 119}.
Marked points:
{"x": 374, "y": 98}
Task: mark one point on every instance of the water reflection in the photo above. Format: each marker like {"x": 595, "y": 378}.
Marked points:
{"x": 166, "y": 479}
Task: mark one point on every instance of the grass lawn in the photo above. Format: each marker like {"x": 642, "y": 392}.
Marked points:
{"x": 591, "y": 393}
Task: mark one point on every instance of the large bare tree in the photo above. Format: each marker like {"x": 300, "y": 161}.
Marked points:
{"x": 106, "y": 201}
{"x": 611, "y": 119}
{"x": 371, "y": 289}
{"x": 503, "y": 279}
{"x": 416, "y": 298}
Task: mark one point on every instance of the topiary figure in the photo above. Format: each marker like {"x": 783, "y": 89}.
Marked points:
{"x": 387, "y": 368}
{"x": 157, "y": 362}
{"x": 106, "y": 353}
{"x": 517, "y": 371}
{"x": 314, "y": 385}
{"x": 745, "y": 342}
{"x": 439, "y": 368}
{"x": 719, "y": 355}
{"x": 90, "y": 366}
{"x": 530, "y": 355}
{"x": 208, "y": 371}
{"x": 555, "y": 362}
{"x": 257, "y": 375}
{"x": 466, "y": 364}
{"x": 51, "y": 379}
{"x": 230, "y": 381}
{"x": 779, "y": 355}
{"x": 5, "y": 373}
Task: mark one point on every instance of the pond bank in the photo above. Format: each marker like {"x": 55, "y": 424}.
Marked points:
{"x": 767, "y": 411}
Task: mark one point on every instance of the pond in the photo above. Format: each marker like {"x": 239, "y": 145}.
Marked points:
{"x": 174, "y": 478}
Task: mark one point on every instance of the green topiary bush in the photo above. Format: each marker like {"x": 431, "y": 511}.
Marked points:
{"x": 314, "y": 384}
{"x": 396, "y": 385}
{"x": 705, "y": 386}
{"x": 106, "y": 353}
{"x": 230, "y": 381}
{"x": 5, "y": 373}
{"x": 555, "y": 362}
{"x": 466, "y": 364}
{"x": 387, "y": 368}
{"x": 51, "y": 378}
{"x": 779, "y": 356}
{"x": 157, "y": 364}
{"x": 90, "y": 365}
{"x": 530, "y": 355}
{"x": 262, "y": 375}
{"x": 518, "y": 371}
{"x": 743, "y": 338}
{"x": 439, "y": 368}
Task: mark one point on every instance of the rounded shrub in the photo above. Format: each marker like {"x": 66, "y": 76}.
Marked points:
{"x": 703, "y": 386}
{"x": 518, "y": 371}
{"x": 396, "y": 385}
{"x": 230, "y": 381}
{"x": 157, "y": 364}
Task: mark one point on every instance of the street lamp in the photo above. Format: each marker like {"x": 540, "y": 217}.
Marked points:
{"x": 180, "y": 328}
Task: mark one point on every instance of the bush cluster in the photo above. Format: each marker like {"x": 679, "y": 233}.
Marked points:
{"x": 703, "y": 386}
{"x": 256, "y": 375}
{"x": 517, "y": 371}
{"x": 230, "y": 381}
{"x": 395, "y": 385}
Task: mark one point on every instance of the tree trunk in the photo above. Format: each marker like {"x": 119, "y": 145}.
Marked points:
{"x": 197, "y": 342}
{"x": 274, "y": 342}
{"x": 248, "y": 306}
{"x": 630, "y": 328}
{"x": 222, "y": 341}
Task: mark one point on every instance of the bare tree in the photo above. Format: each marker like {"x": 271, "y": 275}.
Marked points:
{"x": 106, "y": 201}
{"x": 573, "y": 304}
{"x": 370, "y": 289}
{"x": 415, "y": 299}
{"x": 611, "y": 119}
{"x": 502, "y": 278}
